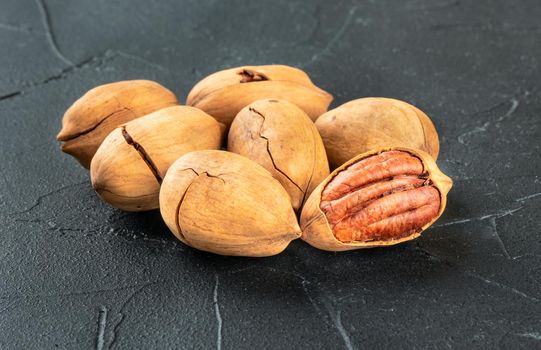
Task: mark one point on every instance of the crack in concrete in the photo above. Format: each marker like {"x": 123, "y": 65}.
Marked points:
{"x": 15, "y": 28}
{"x": 29, "y": 86}
{"x": 533, "y": 335}
{"x": 481, "y": 218}
{"x": 501, "y": 286}
{"x": 102, "y": 324}
{"x": 496, "y": 235}
{"x": 71, "y": 294}
{"x": 334, "y": 315}
{"x": 479, "y": 129}
{"x": 144, "y": 61}
{"x": 10, "y": 95}
{"x": 48, "y": 194}
{"x": 122, "y": 312}
{"x": 96, "y": 60}
{"x": 51, "y": 38}
{"x": 525, "y": 198}
{"x": 338, "y": 34}
{"x": 217, "y": 313}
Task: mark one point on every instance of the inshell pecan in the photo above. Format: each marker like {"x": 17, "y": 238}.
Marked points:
{"x": 279, "y": 136}
{"x": 223, "y": 94}
{"x": 98, "y": 112}
{"x": 224, "y": 203}
{"x": 364, "y": 124}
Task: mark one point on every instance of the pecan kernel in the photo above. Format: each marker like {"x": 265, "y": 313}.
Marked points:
{"x": 379, "y": 198}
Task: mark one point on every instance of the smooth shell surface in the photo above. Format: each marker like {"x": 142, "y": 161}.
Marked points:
{"x": 224, "y": 93}
{"x": 130, "y": 164}
{"x": 93, "y": 116}
{"x": 364, "y": 124}
{"x": 279, "y": 136}
{"x": 226, "y": 204}
{"x": 317, "y": 230}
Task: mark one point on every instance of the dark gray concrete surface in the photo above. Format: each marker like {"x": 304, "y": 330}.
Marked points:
{"x": 77, "y": 274}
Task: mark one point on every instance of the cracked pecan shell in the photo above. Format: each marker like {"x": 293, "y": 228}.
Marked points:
{"x": 226, "y": 204}
{"x": 379, "y": 198}
{"x": 224, "y": 93}
{"x": 93, "y": 116}
{"x": 279, "y": 136}
{"x": 130, "y": 164}
{"x": 364, "y": 124}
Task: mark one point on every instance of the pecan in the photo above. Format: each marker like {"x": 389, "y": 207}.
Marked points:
{"x": 224, "y": 203}
{"x": 279, "y": 136}
{"x": 379, "y": 198}
{"x": 225, "y": 93}
{"x": 367, "y": 123}
{"x": 102, "y": 109}
{"x": 128, "y": 167}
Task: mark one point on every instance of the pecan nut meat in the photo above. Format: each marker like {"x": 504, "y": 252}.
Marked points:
{"x": 379, "y": 198}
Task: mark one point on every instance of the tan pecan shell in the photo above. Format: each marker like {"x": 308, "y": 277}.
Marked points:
{"x": 130, "y": 164}
{"x": 279, "y": 136}
{"x": 364, "y": 124}
{"x": 223, "y": 94}
{"x": 224, "y": 203}
{"x": 99, "y": 111}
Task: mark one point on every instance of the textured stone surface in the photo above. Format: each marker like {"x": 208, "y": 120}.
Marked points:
{"x": 79, "y": 274}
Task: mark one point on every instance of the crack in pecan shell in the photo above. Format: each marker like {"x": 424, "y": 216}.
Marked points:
{"x": 249, "y": 75}
{"x": 225, "y": 93}
{"x": 224, "y": 203}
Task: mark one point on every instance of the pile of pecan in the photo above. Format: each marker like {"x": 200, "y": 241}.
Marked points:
{"x": 254, "y": 160}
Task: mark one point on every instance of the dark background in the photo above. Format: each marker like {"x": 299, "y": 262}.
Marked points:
{"x": 75, "y": 273}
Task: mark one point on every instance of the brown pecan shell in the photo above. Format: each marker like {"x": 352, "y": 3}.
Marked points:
{"x": 129, "y": 166}
{"x": 224, "y": 203}
{"x": 102, "y": 109}
{"x": 364, "y": 124}
{"x": 223, "y": 94}
{"x": 279, "y": 136}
